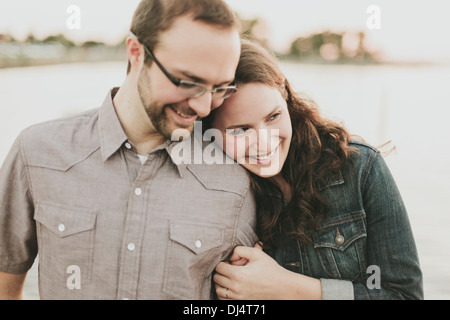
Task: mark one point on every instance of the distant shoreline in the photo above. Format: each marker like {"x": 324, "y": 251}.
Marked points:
{"x": 19, "y": 63}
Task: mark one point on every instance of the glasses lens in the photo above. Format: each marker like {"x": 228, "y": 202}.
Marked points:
{"x": 195, "y": 90}
{"x": 223, "y": 93}
{"x": 190, "y": 90}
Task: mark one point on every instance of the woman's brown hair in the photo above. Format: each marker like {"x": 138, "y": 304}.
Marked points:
{"x": 318, "y": 148}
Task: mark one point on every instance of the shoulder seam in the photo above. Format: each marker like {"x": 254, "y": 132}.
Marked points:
{"x": 239, "y": 212}
{"x": 363, "y": 144}
{"x": 368, "y": 168}
{"x": 85, "y": 114}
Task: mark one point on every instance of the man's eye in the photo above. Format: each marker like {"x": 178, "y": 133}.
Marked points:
{"x": 186, "y": 85}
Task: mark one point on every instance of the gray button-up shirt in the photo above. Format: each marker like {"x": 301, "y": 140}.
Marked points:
{"x": 107, "y": 227}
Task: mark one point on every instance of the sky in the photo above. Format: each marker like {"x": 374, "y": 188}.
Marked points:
{"x": 408, "y": 30}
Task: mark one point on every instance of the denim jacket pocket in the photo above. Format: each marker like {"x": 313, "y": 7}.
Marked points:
{"x": 66, "y": 240}
{"x": 341, "y": 246}
{"x": 193, "y": 253}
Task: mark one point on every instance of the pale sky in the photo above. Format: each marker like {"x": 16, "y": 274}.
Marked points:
{"x": 409, "y": 29}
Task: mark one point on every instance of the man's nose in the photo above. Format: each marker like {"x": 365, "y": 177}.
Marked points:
{"x": 216, "y": 103}
{"x": 202, "y": 104}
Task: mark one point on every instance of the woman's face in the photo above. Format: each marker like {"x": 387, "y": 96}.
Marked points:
{"x": 256, "y": 128}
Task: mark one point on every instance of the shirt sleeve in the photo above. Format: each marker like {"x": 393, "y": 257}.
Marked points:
{"x": 18, "y": 243}
{"x": 246, "y": 224}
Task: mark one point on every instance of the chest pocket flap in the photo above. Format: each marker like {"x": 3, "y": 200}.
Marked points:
{"x": 65, "y": 221}
{"x": 197, "y": 238}
{"x": 342, "y": 232}
{"x": 340, "y": 245}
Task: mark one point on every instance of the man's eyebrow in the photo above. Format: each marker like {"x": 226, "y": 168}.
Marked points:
{"x": 201, "y": 80}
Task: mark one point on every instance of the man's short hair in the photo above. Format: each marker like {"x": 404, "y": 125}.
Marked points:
{"x": 152, "y": 17}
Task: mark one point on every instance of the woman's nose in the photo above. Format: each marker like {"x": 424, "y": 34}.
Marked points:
{"x": 266, "y": 139}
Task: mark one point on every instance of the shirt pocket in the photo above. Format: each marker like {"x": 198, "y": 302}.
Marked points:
{"x": 340, "y": 244}
{"x": 66, "y": 241}
{"x": 193, "y": 252}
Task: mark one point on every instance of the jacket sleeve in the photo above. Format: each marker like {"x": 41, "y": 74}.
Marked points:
{"x": 391, "y": 251}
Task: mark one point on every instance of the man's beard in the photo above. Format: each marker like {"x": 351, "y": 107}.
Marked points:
{"x": 157, "y": 112}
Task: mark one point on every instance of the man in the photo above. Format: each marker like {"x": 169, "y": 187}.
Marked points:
{"x": 99, "y": 196}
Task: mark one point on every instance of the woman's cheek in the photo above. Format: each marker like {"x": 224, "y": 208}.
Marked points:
{"x": 235, "y": 149}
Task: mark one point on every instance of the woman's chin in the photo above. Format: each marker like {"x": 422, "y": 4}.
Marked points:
{"x": 263, "y": 171}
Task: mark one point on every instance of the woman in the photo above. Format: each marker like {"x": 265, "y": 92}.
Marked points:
{"x": 330, "y": 217}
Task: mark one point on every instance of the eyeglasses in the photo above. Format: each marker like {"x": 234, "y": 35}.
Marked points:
{"x": 188, "y": 88}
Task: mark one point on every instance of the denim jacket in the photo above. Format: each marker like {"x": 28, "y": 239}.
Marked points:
{"x": 364, "y": 248}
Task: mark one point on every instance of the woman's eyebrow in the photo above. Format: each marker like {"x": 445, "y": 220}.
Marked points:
{"x": 276, "y": 109}
{"x": 239, "y": 126}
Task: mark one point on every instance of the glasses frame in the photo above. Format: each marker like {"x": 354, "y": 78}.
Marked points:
{"x": 177, "y": 82}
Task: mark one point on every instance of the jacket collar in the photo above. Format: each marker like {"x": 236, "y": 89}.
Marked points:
{"x": 332, "y": 179}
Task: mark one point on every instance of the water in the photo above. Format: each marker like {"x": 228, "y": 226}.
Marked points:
{"x": 408, "y": 105}
{"x": 411, "y": 106}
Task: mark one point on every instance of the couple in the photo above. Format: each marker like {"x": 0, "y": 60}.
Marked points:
{"x": 111, "y": 215}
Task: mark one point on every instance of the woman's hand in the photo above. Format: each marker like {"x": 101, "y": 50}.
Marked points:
{"x": 236, "y": 260}
{"x": 261, "y": 278}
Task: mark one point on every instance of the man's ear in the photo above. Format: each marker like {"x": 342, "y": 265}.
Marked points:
{"x": 135, "y": 52}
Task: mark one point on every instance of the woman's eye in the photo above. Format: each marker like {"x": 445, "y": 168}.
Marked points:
{"x": 238, "y": 131}
{"x": 274, "y": 116}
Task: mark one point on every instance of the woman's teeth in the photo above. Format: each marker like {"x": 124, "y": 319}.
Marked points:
{"x": 266, "y": 156}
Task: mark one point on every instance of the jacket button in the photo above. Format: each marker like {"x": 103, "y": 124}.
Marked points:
{"x": 339, "y": 239}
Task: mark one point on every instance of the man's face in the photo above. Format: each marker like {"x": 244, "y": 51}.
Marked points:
{"x": 191, "y": 51}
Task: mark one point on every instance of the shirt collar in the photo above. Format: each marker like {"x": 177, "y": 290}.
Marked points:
{"x": 112, "y": 135}
{"x": 169, "y": 147}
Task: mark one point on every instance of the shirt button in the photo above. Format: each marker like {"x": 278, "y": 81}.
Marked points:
{"x": 198, "y": 244}
{"x": 61, "y": 227}
{"x": 127, "y": 145}
{"x": 131, "y": 246}
{"x": 138, "y": 191}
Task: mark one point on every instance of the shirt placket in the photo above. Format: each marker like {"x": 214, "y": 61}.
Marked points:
{"x": 134, "y": 229}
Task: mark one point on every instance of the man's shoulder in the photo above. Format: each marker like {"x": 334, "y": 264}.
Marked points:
{"x": 207, "y": 162}
{"x": 72, "y": 129}
{"x": 230, "y": 177}
{"x": 61, "y": 138}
